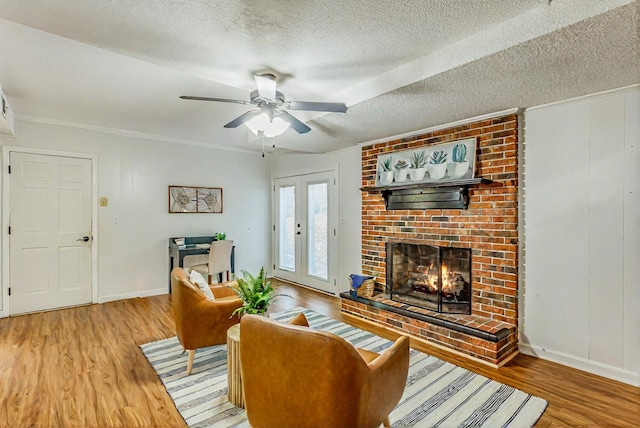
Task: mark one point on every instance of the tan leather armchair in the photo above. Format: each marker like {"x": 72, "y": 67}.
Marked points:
{"x": 295, "y": 376}
{"x": 201, "y": 322}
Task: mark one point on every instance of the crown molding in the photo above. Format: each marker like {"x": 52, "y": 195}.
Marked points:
{"x": 584, "y": 97}
{"x": 129, "y": 134}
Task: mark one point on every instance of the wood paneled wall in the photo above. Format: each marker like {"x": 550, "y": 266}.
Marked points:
{"x": 582, "y": 234}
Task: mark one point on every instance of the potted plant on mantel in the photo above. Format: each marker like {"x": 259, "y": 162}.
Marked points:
{"x": 256, "y": 293}
{"x": 460, "y": 165}
{"x": 386, "y": 175}
{"x": 438, "y": 164}
{"x": 417, "y": 169}
{"x": 400, "y": 173}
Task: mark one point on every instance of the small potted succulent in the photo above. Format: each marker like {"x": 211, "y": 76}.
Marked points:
{"x": 386, "y": 174}
{"x": 400, "y": 173}
{"x": 438, "y": 164}
{"x": 460, "y": 165}
{"x": 418, "y": 162}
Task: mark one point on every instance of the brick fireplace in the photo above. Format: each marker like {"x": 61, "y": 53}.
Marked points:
{"x": 488, "y": 227}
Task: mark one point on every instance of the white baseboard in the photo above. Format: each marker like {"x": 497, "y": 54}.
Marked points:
{"x": 133, "y": 295}
{"x": 594, "y": 367}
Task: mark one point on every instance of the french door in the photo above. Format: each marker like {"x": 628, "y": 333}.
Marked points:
{"x": 305, "y": 230}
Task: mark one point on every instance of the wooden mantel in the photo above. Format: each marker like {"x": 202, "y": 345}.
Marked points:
{"x": 430, "y": 195}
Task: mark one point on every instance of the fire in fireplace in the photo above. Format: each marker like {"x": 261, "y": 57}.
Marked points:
{"x": 428, "y": 276}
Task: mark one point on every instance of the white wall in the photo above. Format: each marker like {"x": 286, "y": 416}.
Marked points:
{"x": 348, "y": 164}
{"x": 581, "y": 300}
{"x": 134, "y": 174}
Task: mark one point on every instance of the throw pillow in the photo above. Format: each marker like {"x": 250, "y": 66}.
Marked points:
{"x": 197, "y": 278}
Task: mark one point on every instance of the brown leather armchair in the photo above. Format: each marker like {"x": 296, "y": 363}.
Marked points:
{"x": 295, "y": 376}
{"x": 201, "y": 322}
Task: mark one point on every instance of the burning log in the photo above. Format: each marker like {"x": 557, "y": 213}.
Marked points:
{"x": 455, "y": 286}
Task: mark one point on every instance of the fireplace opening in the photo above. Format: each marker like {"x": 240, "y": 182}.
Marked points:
{"x": 428, "y": 276}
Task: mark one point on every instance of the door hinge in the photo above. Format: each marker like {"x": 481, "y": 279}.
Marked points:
{"x": 9, "y": 169}
{"x": 334, "y": 181}
{"x": 274, "y": 187}
{"x": 334, "y": 232}
{"x": 9, "y": 291}
{"x": 335, "y": 282}
{"x": 274, "y": 227}
{"x": 9, "y": 230}
{"x": 274, "y": 267}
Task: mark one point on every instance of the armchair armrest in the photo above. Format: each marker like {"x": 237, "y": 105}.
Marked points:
{"x": 223, "y": 289}
{"x": 388, "y": 376}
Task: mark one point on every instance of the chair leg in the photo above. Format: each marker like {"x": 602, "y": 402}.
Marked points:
{"x": 192, "y": 353}
{"x": 386, "y": 422}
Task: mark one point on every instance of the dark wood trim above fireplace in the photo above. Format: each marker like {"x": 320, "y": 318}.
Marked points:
{"x": 451, "y": 183}
{"x": 426, "y": 196}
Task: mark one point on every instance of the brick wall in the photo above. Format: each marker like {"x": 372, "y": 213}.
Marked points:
{"x": 488, "y": 226}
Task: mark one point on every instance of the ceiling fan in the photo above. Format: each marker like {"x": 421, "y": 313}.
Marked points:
{"x": 271, "y": 116}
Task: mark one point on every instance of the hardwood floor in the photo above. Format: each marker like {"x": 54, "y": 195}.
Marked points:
{"x": 83, "y": 367}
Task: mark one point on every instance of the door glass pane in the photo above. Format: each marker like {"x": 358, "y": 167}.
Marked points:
{"x": 318, "y": 225}
{"x": 287, "y": 228}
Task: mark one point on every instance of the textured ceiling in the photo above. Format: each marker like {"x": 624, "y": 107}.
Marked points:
{"x": 400, "y": 66}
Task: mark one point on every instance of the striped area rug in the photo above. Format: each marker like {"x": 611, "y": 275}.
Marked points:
{"x": 437, "y": 393}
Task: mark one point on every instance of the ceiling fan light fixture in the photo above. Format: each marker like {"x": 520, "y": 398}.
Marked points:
{"x": 270, "y": 128}
{"x": 276, "y": 127}
{"x": 272, "y": 118}
{"x": 258, "y": 123}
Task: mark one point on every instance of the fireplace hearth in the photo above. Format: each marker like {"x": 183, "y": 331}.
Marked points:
{"x": 432, "y": 277}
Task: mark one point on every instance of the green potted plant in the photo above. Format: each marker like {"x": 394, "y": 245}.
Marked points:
{"x": 386, "y": 175}
{"x": 438, "y": 164}
{"x": 256, "y": 293}
{"x": 418, "y": 161}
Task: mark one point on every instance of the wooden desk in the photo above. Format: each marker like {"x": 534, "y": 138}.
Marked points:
{"x": 191, "y": 248}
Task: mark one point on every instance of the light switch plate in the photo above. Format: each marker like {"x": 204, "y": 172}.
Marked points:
{"x": 103, "y": 202}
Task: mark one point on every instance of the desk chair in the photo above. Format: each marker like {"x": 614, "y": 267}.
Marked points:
{"x": 219, "y": 260}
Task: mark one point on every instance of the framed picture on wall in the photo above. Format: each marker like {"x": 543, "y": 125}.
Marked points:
{"x": 209, "y": 199}
{"x": 436, "y": 163}
{"x": 193, "y": 200}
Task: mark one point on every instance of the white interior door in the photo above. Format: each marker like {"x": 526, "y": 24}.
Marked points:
{"x": 50, "y": 240}
{"x": 305, "y": 230}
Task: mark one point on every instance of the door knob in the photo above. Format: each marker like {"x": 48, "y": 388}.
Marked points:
{"x": 83, "y": 239}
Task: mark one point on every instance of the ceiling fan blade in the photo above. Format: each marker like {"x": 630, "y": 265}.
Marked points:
{"x": 314, "y": 106}
{"x": 221, "y": 100}
{"x": 297, "y": 125}
{"x": 243, "y": 118}
{"x": 266, "y": 84}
